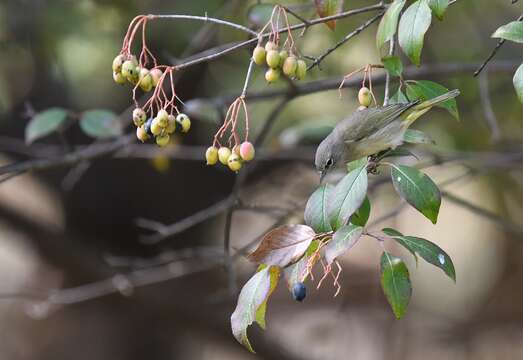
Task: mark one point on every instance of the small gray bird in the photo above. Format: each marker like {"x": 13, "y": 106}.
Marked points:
{"x": 369, "y": 131}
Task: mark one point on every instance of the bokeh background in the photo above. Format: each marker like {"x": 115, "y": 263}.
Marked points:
{"x": 71, "y": 226}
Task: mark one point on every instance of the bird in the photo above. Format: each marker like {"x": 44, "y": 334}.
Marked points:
{"x": 369, "y": 131}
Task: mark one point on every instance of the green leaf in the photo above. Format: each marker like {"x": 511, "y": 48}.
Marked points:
{"x": 417, "y": 189}
{"x": 512, "y": 31}
{"x": 395, "y": 282}
{"x": 438, "y": 7}
{"x": 412, "y": 28}
{"x": 347, "y": 197}
{"x": 356, "y": 164}
{"x": 426, "y": 90}
{"x": 326, "y": 8}
{"x": 518, "y": 82}
{"x": 393, "y": 65}
{"x": 316, "y": 209}
{"x": 342, "y": 241}
{"x": 361, "y": 216}
{"x": 412, "y": 136}
{"x": 398, "y": 152}
{"x": 252, "y": 303}
{"x": 260, "y": 14}
{"x": 429, "y": 251}
{"x": 389, "y": 23}
{"x": 283, "y": 245}
{"x": 398, "y": 98}
{"x": 44, "y": 123}
{"x": 100, "y": 124}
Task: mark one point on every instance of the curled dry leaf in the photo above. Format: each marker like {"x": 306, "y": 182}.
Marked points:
{"x": 283, "y": 246}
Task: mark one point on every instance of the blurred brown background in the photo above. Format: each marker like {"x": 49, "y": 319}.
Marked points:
{"x": 81, "y": 227}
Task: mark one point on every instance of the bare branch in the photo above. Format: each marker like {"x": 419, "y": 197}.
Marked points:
{"x": 490, "y": 116}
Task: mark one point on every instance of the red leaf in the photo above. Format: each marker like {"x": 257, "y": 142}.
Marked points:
{"x": 326, "y": 8}
{"x": 283, "y": 246}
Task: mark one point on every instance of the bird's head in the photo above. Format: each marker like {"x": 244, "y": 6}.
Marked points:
{"x": 328, "y": 155}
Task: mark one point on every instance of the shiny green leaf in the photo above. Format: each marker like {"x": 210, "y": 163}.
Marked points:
{"x": 426, "y": 90}
{"x": 389, "y": 23}
{"x": 393, "y": 65}
{"x": 398, "y": 98}
{"x": 512, "y": 31}
{"x": 438, "y": 7}
{"x": 316, "y": 209}
{"x": 518, "y": 82}
{"x": 412, "y": 28}
{"x": 342, "y": 240}
{"x": 395, "y": 282}
{"x": 100, "y": 124}
{"x": 361, "y": 216}
{"x": 417, "y": 189}
{"x": 429, "y": 251}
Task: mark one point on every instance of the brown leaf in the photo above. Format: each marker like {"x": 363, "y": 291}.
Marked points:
{"x": 326, "y": 8}
{"x": 283, "y": 246}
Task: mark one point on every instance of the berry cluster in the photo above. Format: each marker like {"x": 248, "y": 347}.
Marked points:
{"x": 278, "y": 62}
{"x": 232, "y": 158}
{"x": 160, "y": 127}
{"x": 126, "y": 68}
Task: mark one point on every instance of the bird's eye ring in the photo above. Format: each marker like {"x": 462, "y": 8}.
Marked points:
{"x": 329, "y": 162}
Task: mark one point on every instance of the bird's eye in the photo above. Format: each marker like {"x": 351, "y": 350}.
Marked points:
{"x": 329, "y": 162}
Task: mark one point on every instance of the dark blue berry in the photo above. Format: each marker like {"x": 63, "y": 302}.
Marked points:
{"x": 299, "y": 291}
{"x": 148, "y": 127}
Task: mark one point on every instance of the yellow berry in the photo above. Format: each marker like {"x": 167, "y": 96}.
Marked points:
{"x": 247, "y": 151}
{"x": 156, "y": 129}
{"x": 284, "y": 54}
{"x": 139, "y": 117}
{"x": 223, "y": 154}
{"x": 119, "y": 78}
{"x": 234, "y": 162}
{"x": 364, "y": 96}
{"x": 289, "y": 66}
{"x": 211, "y": 155}
{"x": 129, "y": 69}
{"x": 270, "y": 45}
{"x": 141, "y": 134}
{"x": 163, "y": 118}
{"x": 272, "y": 75}
{"x": 301, "y": 70}
{"x": 184, "y": 120}
{"x": 117, "y": 63}
{"x": 273, "y": 59}
{"x": 156, "y": 74}
{"x": 171, "y": 127}
{"x": 258, "y": 55}
{"x": 163, "y": 140}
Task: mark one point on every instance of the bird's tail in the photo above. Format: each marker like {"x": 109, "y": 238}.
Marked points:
{"x": 421, "y": 108}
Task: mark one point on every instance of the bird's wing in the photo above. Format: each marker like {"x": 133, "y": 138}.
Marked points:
{"x": 364, "y": 123}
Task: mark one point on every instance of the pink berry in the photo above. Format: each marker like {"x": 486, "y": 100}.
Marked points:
{"x": 247, "y": 151}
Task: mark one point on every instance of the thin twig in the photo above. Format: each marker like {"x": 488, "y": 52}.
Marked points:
{"x": 206, "y": 19}
{"x": 490, "y": 116}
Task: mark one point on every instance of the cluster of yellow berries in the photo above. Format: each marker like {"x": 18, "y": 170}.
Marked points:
{"x": 232, "y": 158}
{"x": 364, "y": 98}
{"x": 160, "y": 127}
{"x": 126, "y": 68}
{"x": 278, "y": 62}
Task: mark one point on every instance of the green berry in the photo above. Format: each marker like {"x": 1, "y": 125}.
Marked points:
{"x": 247, "y": 151}
{"x": 301, "y": 70}
{"x": 270, "y": 45}
{"x": 184, "y": 121}
{"x": 129, "y": 69}
{"x": 223, "y": 154}
{"x": 272, "y": 75}
{"x": 290, "y": 66}
{"x": 139, "y": 117}
{"x": 284, "y": 54}
{"x": 141, "y": 134}
{"x": 163, "y": 140}
{"x": 119, "y": 78}
{"x": 163, "y": 118}
{"x": 364, "y": 97}
{"x": 146, "y": 84}
{"x": 234, "y": 162}
{"x": 258, "y": 55}
{"x": 211, "y": 155}
{"x": 117, "y": 63}
{"x": 156, "y": 74}
{"x": 273, "y": 58}
{"x": 156, "y": 129}
{"x": 171, "y": 126}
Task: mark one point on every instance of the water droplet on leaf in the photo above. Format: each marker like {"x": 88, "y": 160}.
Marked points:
{"x": 441, "y": 259}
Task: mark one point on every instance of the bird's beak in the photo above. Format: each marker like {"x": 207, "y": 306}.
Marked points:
{"x": 322, "y": 175}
